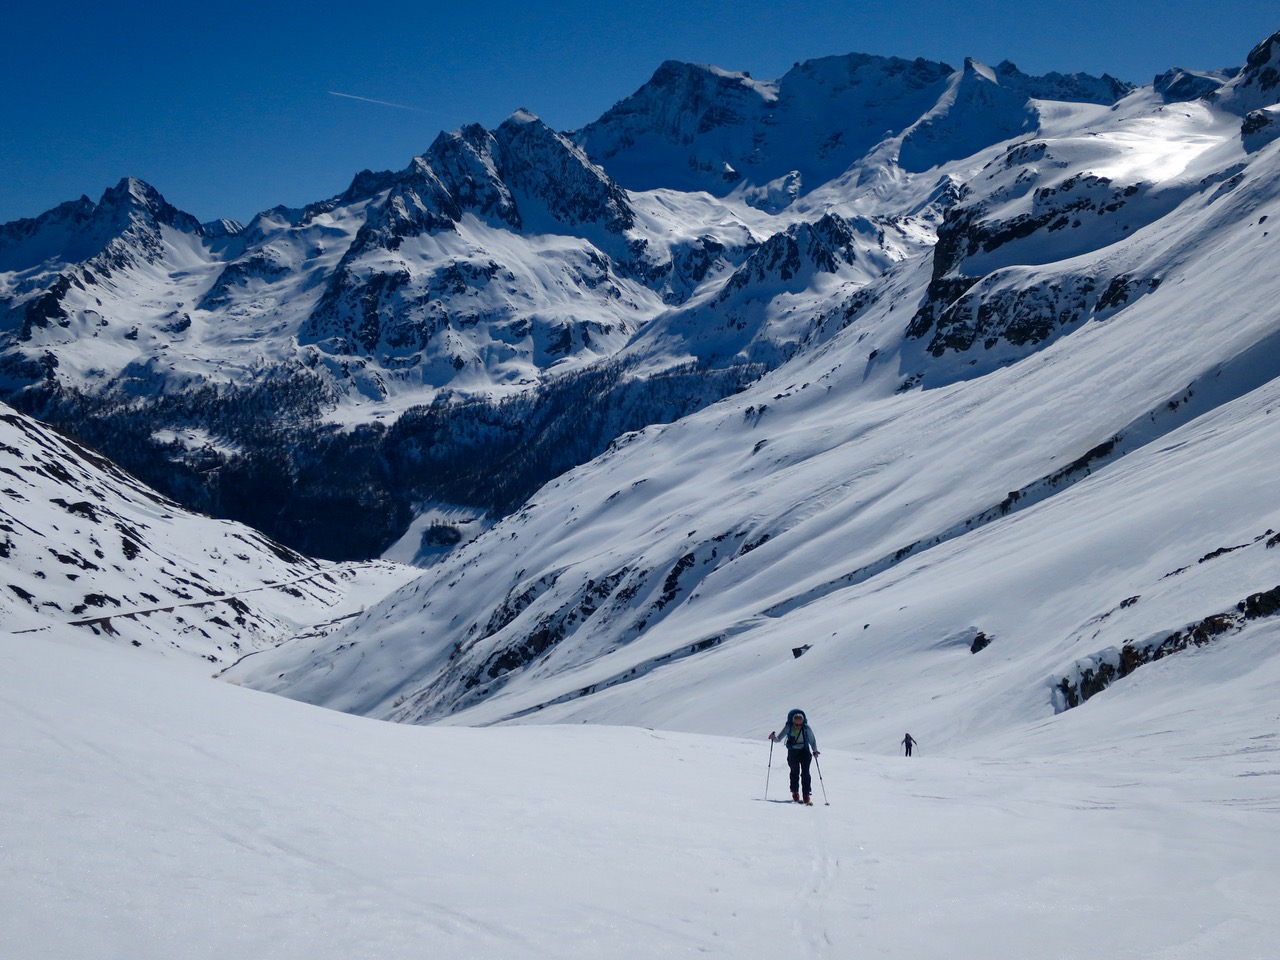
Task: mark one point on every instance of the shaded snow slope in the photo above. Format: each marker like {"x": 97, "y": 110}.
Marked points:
{"x": 83, "y": 543}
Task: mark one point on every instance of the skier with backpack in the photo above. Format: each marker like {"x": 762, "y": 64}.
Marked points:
{"x": 802, "y": 747}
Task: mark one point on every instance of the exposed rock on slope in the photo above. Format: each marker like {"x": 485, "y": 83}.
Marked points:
{"x": 83, "y": 543}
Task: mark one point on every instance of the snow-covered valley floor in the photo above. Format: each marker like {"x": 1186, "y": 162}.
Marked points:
{"x": 151, "y": 812}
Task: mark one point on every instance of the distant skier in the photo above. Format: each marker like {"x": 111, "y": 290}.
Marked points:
{"x": 802, "y": 747}
{"x": 908, "y": 742}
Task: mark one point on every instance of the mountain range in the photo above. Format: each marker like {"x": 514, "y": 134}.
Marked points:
{"x": 753, "y": 386}
{"x": 925, "y": 399}
{"x": 497, "y": 265}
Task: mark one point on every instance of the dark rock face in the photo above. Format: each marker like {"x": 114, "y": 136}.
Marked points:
{"x": 974, "y": 300}
{"x": 1262, "y": 68}
{"x": 990, "y": 311}
{"x": 1099, "y": 672}
{"x": 1260, "y": 127}
{"x": 546, "y": 167}
{"x": 819, "y": 247}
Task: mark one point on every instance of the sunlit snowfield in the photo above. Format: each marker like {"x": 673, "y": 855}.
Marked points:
{"x": 151, "y": 812}
{"x": 1094, "y": 494}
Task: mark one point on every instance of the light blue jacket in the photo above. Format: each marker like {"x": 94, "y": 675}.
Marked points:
{"x": 806, "y": 740}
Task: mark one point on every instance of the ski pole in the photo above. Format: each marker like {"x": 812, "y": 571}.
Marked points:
{"x": 820, "y": 783}
{"x": 770, "y": 771}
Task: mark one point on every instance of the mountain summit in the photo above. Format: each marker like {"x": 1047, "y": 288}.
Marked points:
{"x": 329, "y": 373}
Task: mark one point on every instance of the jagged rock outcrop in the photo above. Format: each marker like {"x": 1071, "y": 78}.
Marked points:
{"x": 1260, "y": 127}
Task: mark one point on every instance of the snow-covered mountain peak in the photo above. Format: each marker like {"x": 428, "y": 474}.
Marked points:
{"x": 1257, "y": 85}
{"x": 975, "y": 111}
{"x": 689, "y": 87}
{"x": 1073, "y": 87}
{"x": 1180, "y": 85}
{"x": 981, "y": 70}
{"x": 216, "y": 229}
{"x": 556, "y": 179}
{"x": 76, "y": 231}
{"x": 523, "y": 115}
{"x": 694, "y": 127}
{"x": 507, "y": 263}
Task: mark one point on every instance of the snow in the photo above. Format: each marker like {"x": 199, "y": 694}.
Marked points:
{"x": 151, "y": 813}
{"x": 467, "y": 523}
{"x": 859, "y": 499}
{"x": 599, "y": 668}
{"x": 88, "y": 546}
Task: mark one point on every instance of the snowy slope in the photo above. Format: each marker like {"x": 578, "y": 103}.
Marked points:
{"x": 190, "y": 818}
{"x": 1010, "y": 488}
{"x": 83, "y": 543}
{"x": 956, "y": 453}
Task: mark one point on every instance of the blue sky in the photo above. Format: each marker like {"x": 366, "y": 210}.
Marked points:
{"x": 231, "y": 108}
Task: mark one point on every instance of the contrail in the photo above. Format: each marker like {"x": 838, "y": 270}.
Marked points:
{"x": 385, "y": 103}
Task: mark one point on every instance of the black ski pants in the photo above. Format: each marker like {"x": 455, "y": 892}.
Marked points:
{"x": 798, "y": 761}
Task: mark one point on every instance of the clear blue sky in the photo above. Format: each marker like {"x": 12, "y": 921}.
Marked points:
{"x": 229, "y": 108}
